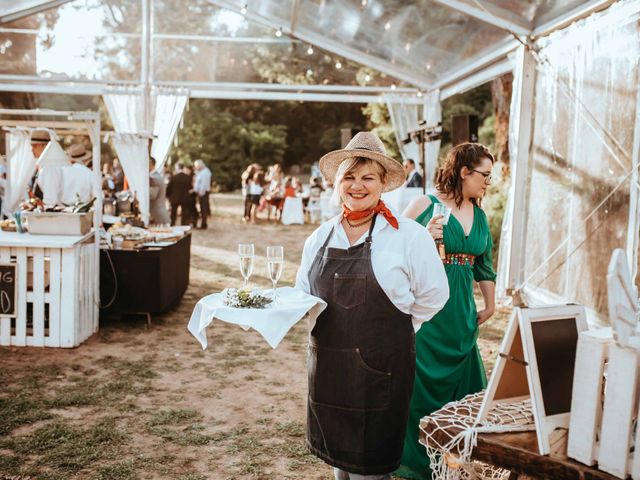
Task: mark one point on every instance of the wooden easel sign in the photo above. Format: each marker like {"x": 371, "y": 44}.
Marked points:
{"x": 537, "y": 360}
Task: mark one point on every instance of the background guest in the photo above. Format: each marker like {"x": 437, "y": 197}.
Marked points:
{"x": 202, "y": 188}
{"x": 255, "y": 192}
{"x": 179, "y": 196}
{"x": 414, "y": 179}
{"x": 157, "y": 196}
{"x": 246, "y": 178}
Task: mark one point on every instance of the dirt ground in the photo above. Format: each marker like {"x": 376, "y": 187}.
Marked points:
{"x": 136, "y": 402}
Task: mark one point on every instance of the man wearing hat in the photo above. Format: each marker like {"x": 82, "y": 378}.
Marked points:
{"x": 39, "y": 140}
{"x": 381, "y": 277}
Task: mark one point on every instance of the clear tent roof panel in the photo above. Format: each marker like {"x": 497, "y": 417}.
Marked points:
{"x": 425, "y": 37}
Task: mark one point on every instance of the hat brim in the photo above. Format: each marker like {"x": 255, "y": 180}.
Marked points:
{"x": 39, "y": 141}
{"x": 330, "y": 162}
{"x": 82, "y": 158}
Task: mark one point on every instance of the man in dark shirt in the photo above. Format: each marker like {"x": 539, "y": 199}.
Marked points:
{"x": 179, "y": 194}
{"x": 414, "y": 179}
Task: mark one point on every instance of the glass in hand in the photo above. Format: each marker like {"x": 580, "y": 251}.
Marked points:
{"x": 275, "y": 263}
{"x": 246, "y": 255}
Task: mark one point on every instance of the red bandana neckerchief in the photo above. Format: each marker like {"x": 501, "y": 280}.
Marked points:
{"x": 380, "y": 208}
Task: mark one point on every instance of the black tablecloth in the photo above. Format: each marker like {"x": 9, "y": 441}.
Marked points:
{"x": 151, "y": 280}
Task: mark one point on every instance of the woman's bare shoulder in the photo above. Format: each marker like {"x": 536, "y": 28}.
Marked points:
{"x": 417, "y": 206}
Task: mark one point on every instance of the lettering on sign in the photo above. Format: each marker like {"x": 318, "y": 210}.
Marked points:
{"x": 8, "y": 290}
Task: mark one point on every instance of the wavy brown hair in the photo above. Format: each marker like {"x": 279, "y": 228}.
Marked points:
{"x": 448, "y": 178}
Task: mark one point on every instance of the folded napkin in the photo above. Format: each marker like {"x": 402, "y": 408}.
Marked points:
{"x": 272, "y": 322}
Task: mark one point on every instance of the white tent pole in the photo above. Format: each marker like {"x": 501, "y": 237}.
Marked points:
{"x": 526, "y": 86}
{"x": 634, "y": 204}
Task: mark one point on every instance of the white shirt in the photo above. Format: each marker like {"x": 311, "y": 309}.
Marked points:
{"x": 64, "y": 184}
{"x": 203, "y": 181}
{"x": 405, "y": 263}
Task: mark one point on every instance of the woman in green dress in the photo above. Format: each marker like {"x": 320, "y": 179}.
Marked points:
{"x": 448, "y": 362}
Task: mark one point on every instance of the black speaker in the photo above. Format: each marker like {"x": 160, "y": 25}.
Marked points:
{"x": 464, "y": 128}
{"x": 346, "y": 134}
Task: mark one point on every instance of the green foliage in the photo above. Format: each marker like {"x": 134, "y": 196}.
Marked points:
{"x": 494, "y": 204}
{"x": 227, "y": 144}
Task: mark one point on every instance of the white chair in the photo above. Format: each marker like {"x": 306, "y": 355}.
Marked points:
{"x": 292, "y": 211}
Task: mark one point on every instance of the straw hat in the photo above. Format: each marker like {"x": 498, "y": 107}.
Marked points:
{"x": 40, "y": 136}
{"x": 53, "y": 156}
{"x": 78, "y": 153}
{"x": 368, "y": 145}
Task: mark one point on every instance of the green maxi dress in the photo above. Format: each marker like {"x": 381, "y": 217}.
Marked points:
{"x": 448, "y": 362}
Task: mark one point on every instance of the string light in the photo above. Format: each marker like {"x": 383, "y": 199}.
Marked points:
{"x": 279, "y": 32}
{"x": 310, "y": 50}
{"x": 363, "y": 3}
{"x": 407, "y": 47}
{"x": 419, "y": 94}
{"x": 393, "y": 86}
{"x": 387, "y": 26}
{"x": 428, "y": 66}
{"x": 338, "y": 65}
{"x": 243, "y": 10}
{"x": 367, "y": 78}
{"x": 309, "y": 72}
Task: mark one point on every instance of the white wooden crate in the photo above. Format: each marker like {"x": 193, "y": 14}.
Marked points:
{"x": 604, "y": 405}
{"x": 63, "y": 313}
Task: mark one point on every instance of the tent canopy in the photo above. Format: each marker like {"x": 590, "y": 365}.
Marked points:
{"x": 216, "y": 48}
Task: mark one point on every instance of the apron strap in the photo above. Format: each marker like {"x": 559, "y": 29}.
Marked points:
{"x": 373, "y": 223}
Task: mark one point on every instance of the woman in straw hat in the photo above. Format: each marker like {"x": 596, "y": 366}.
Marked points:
{"x": 381, "y": 278}
{"x": 449, "y": 365}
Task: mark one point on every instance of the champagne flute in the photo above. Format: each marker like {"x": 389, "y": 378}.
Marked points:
{"x": 441, "y": 209}
{"x": 275, "y": 263}
{"x": 246, "y": 254}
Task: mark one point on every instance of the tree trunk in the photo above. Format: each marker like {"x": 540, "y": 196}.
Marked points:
{"x": 501, "y": 92}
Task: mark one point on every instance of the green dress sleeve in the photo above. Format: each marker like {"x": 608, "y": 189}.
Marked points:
{"x": 483, "y": 266}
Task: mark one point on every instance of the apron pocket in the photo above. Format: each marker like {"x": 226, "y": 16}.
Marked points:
{"x": 339, "y": 377}
{"x": 349, "y": 289}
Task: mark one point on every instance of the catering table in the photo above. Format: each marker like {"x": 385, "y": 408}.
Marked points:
{"x": 49, "y": 289}
{"x": 145, "y": 281}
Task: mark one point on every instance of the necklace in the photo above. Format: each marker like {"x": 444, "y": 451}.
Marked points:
{"x": 355, "y": 225}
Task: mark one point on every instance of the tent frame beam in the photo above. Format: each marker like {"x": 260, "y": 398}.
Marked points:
{"x": 498, "y": 17}
{"x": 38, "y": 7}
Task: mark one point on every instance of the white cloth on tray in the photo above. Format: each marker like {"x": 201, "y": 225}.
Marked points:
{"x": 272, "y": 322}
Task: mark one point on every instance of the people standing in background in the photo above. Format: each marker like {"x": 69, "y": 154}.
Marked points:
{"x": 179, "y": 197}
{"x": 274, "y": 189}
{"x": 157, "y": 196}
{"x": 78, "y": 182}
{"x": 202, "y": 188}
{"x": 193, "y": 198}
{"x": 414, "y": 179}
{"x": 246, "y": 178}
{"x": 315, "y": 192}
{"x": 255, "y": 191}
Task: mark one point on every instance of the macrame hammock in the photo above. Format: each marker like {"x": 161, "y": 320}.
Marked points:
{"x": 451, "y": 433}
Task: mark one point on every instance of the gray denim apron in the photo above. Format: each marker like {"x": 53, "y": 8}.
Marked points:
{"x": 361, "y": 365}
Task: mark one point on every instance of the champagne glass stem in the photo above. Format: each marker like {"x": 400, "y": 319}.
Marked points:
{"x": 275, "y": 293}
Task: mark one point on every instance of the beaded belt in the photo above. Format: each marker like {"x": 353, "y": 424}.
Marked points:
{"x": 459, "y": 259}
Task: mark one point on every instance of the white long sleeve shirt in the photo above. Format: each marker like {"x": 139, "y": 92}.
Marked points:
{"x": 405, "y": 263}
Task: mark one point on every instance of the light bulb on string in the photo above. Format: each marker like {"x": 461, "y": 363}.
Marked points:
{"x": 407, "y": 47}
{"x": 364, "y": 3}
{"x": 367, "y": 78}
{"x": 309, "y": 72}
{"x": 279, "y": 32}
{"x": 419, "y": 94}
{"x": 387, "y": 26}
{"x": 393, "y": 86}
{"x": 338, "y": 65}
{"x": 310, "y": 50}
{"x": 243, "y": 10}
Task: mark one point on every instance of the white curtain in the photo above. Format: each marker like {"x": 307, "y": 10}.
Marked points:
{"x": 133, "y": 153}
{"x": 432, "y": 116}
{"x": 126, "y": 109}
{"x": 21, "y": 165}
{"x": 404, "y": 118}
{"x": 169, "y": 107}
